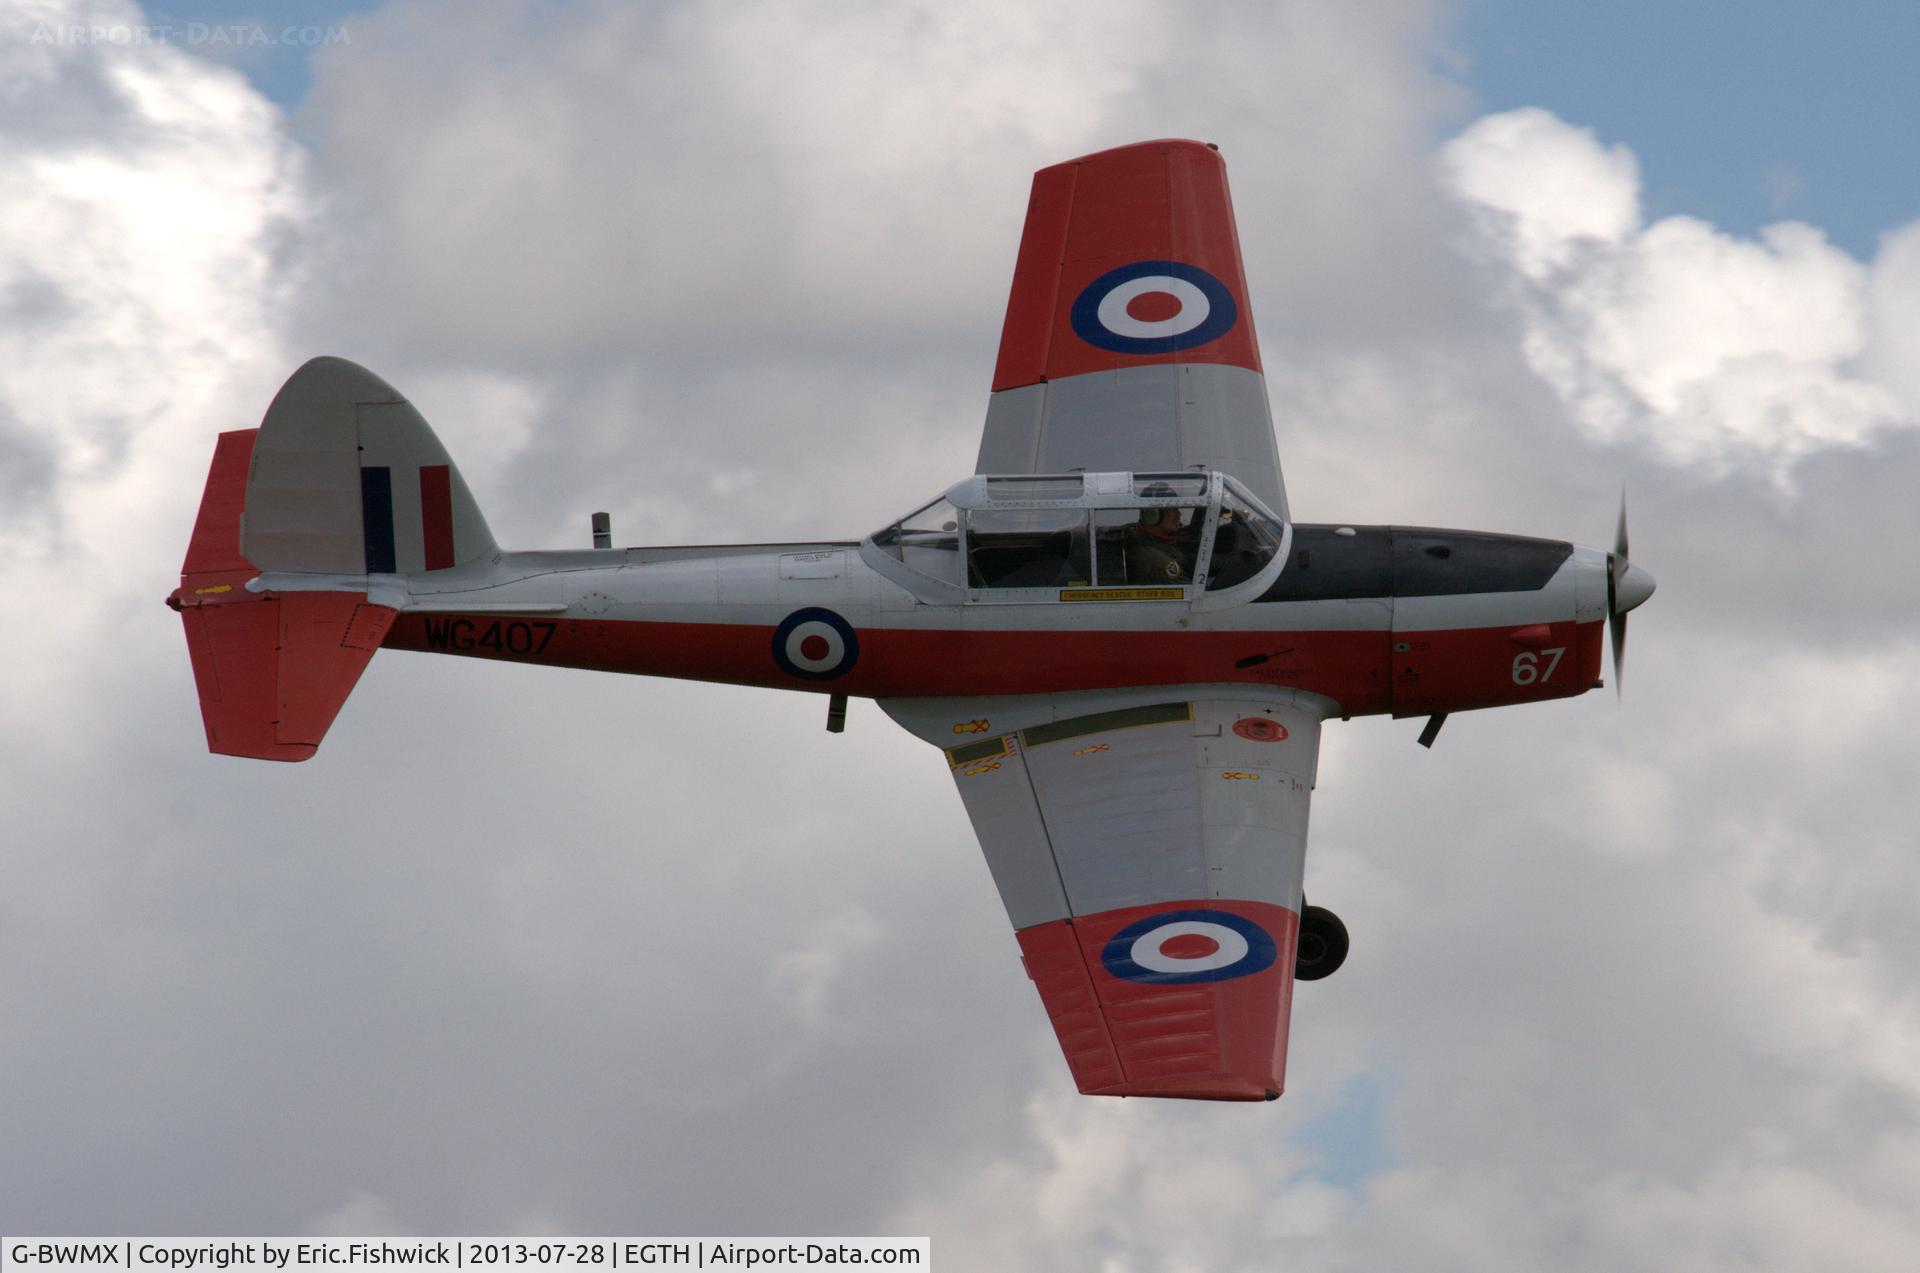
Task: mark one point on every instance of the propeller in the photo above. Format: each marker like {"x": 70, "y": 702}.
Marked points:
{"x": 1627, "y": 587}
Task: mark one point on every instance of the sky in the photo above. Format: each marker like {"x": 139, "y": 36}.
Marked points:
{"x": 532, "y": 951}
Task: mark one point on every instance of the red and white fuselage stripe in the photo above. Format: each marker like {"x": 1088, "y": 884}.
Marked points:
{"x": 717, "y": 619}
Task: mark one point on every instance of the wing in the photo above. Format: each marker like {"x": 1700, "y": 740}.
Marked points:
{"x": 1150, "y": 859}
{"x": 1129, "y": 342}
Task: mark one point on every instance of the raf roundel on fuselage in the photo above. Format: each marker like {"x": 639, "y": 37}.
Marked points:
{"x": 815, "y": 644}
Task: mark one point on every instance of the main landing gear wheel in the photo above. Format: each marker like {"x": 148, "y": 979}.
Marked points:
{"x": 1323, "y": 944}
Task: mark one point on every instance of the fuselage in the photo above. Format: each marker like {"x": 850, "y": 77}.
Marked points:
{"x": 1378, "y": 619}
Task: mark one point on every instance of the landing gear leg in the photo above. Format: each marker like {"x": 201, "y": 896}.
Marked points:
{"x": 1323, "y": 943}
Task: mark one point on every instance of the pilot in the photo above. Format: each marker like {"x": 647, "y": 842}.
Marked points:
{"x": 1160, "y": 547}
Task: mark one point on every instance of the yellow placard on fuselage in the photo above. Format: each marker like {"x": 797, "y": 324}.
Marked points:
{"x": 1123, "y": 594}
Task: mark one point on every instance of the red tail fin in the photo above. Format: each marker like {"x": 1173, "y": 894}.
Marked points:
{"x": 271, "y": 669}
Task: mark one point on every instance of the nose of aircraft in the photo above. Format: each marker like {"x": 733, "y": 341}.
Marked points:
{"x": 1633, "y": 587}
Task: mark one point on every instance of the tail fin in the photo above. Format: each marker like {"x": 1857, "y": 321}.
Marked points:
{"x": 347, "y": 479}
{"x": 342, "y": 477}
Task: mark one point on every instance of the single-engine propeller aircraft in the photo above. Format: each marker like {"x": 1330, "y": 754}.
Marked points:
{"x": 1120, "y": 640}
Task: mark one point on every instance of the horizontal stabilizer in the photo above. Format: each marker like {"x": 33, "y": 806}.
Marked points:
{"x": 272, "y": 670}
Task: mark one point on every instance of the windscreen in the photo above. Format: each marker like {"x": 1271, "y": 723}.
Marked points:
{"x": 1244, "y": 540}
{"x": 927, "y": 541}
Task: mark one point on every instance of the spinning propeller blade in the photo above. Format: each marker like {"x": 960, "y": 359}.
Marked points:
{"x": 1627, "y": 587}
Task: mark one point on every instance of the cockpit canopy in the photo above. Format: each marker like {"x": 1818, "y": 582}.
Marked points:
{"x": 1130, "y": 534}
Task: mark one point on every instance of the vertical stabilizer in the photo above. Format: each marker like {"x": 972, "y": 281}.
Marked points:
{"x": 348, "y": 479}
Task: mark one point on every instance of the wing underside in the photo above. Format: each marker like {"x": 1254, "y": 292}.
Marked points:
{"x": 1150, "y": 861}
{"x": 1129, "y": 341}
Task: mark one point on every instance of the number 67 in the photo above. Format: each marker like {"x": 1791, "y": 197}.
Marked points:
{"x": 1526, "y": 665}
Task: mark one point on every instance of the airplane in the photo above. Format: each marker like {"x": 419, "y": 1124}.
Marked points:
{"x": 1119, "y": 639}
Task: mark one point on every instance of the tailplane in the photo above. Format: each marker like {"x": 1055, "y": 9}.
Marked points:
{"x": 342, "y": 477}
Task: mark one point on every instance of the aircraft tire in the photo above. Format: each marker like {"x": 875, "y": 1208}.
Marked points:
{"x": 1323, "y": 944}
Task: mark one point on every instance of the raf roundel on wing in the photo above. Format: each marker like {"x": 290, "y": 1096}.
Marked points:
{"x": 1153, "y": 307}
{"x": 1177, "y": 948}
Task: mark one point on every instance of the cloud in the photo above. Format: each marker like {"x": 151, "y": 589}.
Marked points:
{"x": 804, "y": 979}
{"x": 1707, "y": 349}
{"x": 146, "y": 207}
{"x": 361, "y": 1214}
{"x": 1560, "y": 191}
{"x": 1112, "y": 1185}
{"x": 148, "y": 243}
{"x": 1893, "y": 349}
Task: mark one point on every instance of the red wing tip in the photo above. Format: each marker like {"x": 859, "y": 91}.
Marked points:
{"x": 1203, "y": 149}
{"x": 270, "y": 751}
{"x": 1208, "y": 1087}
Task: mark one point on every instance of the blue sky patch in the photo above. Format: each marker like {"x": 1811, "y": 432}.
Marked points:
{"x": 1740, "y": 115}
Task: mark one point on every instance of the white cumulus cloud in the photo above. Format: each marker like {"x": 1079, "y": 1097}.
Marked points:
{"x": 148, "y": 200}
{"x": 1710, "y": 349}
